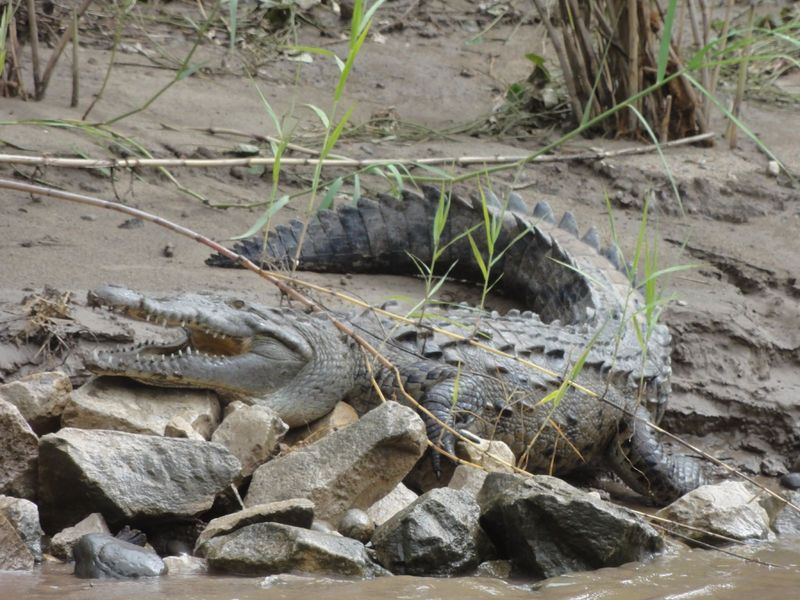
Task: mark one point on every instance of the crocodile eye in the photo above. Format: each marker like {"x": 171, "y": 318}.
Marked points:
{"x": 236, "y": 303}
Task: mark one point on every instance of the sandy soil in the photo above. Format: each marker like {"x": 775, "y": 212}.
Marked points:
{"x": 735, "y": 319}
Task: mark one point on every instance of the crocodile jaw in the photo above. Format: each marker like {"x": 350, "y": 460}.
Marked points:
{"x": 222, "y": 349}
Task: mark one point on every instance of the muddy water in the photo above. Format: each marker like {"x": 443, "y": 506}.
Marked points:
{"x": 675, "y": 576}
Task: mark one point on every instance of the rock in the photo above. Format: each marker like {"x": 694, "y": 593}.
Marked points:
{"x": 730, "y": 509}
{"x": 350, "y": 468}
{"x": 438, "y": 534}
{"x": 123, "y": 405}
{"x": 62, "y": 543}
{"x": 178, "y": 427}
{"x": 547, "y": 527}
{"x": 14, "y": 554}
{"x": 128, "y": 476}
{"x": 791, "y": 481}
{"x": 19, "y": 449}
{"x": 298, "y": 512}
{"x": 100, "y": 555}
{"x": 468, "y": 479}
{"x": 251, "y": 434}
{"x": 773, "y": 466}
{"x": 186, "y": 565}
{"x": 491, "y": 455}
{"x": 269, "y": 548}
{"x": 341, "y": 416}
{"x": 392, "y": 503}
{"x": 24, "y": 516}
{"x": 773, "y": 168}
{"x": 787, "y": 521}
{"x": 356, "y": 524}
{"x": 40, "y": 399}
{"x": 498, "y": 569}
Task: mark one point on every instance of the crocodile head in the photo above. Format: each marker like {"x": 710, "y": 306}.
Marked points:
{"x": 257, "y": 354}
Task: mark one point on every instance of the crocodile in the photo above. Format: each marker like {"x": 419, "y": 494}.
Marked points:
{"x": 511, "y": 376}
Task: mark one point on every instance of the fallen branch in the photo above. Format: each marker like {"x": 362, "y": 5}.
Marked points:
{"x": 131, "y": 163}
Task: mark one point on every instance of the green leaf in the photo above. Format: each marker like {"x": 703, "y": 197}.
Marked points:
{"x": 355, "y": 46}
{"x": 398, "y": 178}
{"x": 356, "y": 189}
{"x": 476, "y": 254}
{"x": 320, "y": 115}
{"x": 264, "y": 218}
{"x": 330, "y": 194}
{"x": 232, "y": 8}
{"x": 334, "y": 136}
{"x": 666, "y": 41}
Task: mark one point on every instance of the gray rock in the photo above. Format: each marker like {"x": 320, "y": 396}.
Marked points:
{"x": 62, "y": 543}
{"x": 186, "y": 565}
{"x": 547, "y": 527}
{"x": 40, "y": 398}
{"x": 787, "y": 521}
{"x": 731, "y": 509}
{"x": 99, "y": 556}
{"x": 178, "y": 427}
{"x": 491, "y": 455}
{"x": 498, "y": 569}
{"x": 14, "y": 554}
{"x": 269, "y": 548}
{"x": 251, "y": 434}
{"x": 356, "y": 524}
{"x": 19, "y": 449}
{"x": 791, "y": 480}
{"x": 438, "y": 534}
{"x": 392, "y": 503}
{"x": 298, "y": 512}
{"x": 350, "y": 468}
{"x": 468, "y": 479}
{"x": 123, "y": 405}
{"x": 127, "y": 476}
{"x": 340, "y": 417}
{"x": 24, "y": 516}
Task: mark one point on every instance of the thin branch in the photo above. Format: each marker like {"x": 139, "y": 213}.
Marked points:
{"x": 62, "y": 43}
{"x": 130, "y": 163}
{"x": 33, "y": 33}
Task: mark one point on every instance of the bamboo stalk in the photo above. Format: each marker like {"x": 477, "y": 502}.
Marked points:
{"x": 75, "y": 64}
{"x": 33, "y": 32}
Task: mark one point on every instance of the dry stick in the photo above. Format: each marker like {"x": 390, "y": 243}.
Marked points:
{"x": 577, "y": 109}
{"x": 277, "y": 280}
{"x": 75, "y": 65}
{"x": 117, "y": 35}
{"x": 740, "y": 82}
{"x": 712, "y": 88}
{"x": 33, "y": 32}
{"x": 633, "y": 63}
{"x": 271, "y": 139}
{"x": 62, "y": 43}
{"x": 13, "y": 45}
{"x": 110, "y": 163}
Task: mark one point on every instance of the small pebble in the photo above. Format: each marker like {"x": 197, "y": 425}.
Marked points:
{"x": 132, "y": 223}
{"x": 168, "y": 251}
{"x": 773, "y": 168}
{"x": 791, "y": 481}
{"x": 88, "y": 217}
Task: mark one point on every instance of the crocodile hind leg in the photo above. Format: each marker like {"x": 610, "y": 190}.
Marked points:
{"x": 643, "y": 463}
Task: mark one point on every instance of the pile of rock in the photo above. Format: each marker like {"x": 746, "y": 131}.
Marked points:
{"x": 172, "y": 463}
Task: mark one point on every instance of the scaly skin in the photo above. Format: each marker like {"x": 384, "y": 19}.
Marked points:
{"x": 300, "y": 365}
